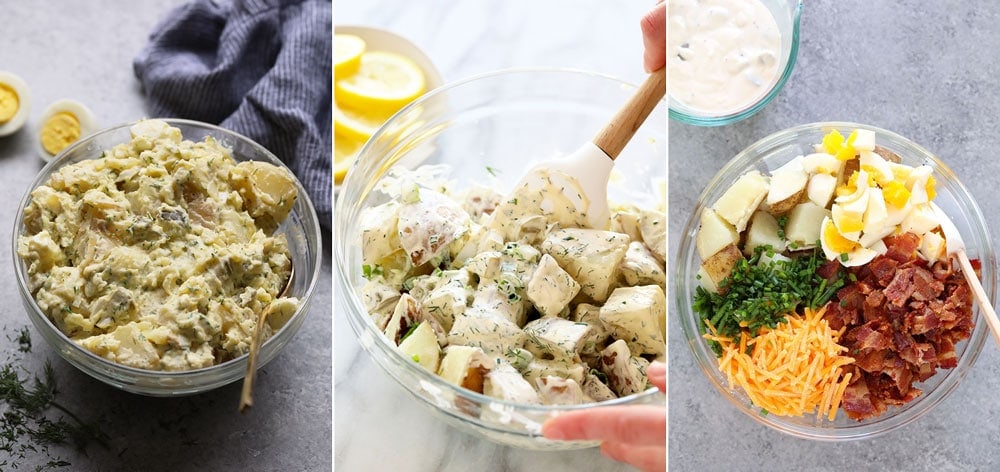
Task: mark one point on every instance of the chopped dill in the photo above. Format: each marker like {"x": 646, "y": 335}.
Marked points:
{"x": 27, "y": 427}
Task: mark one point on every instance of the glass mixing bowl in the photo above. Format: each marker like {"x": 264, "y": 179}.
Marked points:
{"x": 491, "y": 129}
{"x": 765, "y": 156}
{"x": 786, "y": 14}
{"x": 301, "y": 228}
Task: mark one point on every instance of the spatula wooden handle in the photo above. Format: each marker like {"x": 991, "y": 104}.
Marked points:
{"x": 985, "y": 307}
{"x": 617, "y": 133}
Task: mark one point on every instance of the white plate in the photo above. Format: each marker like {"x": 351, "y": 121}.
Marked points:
{"x": 378, "y": 39}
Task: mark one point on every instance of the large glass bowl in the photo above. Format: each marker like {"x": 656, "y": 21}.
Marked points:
{"x": 490, "y": 129}
{"x": 301, "y": 228}
{"x": 765, "y": 156}
{"x": 786, "y": 14}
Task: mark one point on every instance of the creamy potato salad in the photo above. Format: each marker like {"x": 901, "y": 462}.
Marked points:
{"x": 160, "y": 254}
{"x": 511, "y": 296}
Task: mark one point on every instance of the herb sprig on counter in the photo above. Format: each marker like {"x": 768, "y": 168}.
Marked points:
{"x": 26, "y": 428}
{"x": 756, "y": 295}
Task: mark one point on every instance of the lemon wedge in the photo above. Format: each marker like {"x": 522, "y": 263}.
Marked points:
{"x": 356, "y": 124}
{"x": 347, "y": 51}
{"x": 384, "y": 82}
{"x": 345, "y": 150}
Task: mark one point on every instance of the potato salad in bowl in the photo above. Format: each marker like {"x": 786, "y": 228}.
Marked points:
{"x": 510, "y": 296}
{"x": 494, "y": 306}
{"x": 148, "y": 253}
{"x": 815, "y": 286}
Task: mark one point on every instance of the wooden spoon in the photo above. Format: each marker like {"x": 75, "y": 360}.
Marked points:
{"x": 246, "y": 397}
{"x": 956, "y": 247}
{"x": 591, "y": 164}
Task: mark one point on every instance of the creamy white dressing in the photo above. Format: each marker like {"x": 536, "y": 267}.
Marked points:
{"x": 723, "y": 54}
{"x": 502, "y": 279}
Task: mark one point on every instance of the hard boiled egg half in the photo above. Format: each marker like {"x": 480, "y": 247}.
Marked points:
{"x": 63, "y": 123}
{"x": 15, "y": 103}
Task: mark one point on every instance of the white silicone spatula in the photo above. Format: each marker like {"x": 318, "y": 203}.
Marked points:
{"x": 591, "y": 164}
{"x": 956, "y": 247}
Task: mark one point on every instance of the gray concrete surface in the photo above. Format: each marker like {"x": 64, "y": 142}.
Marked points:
{"x": 926, "y": 70}
{"x": 84, "y": 50}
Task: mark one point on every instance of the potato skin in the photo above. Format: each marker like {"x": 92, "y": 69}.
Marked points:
{"x": 721, "y": 264}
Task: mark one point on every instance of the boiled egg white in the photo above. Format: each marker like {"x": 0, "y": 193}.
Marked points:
{"x": 15, "y": 103}
{"x": 838, "y": 248}
{"x": 63, "y": 123}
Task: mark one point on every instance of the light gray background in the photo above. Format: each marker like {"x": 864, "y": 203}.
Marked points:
{"x": 378, "y": 425}
{"x": 928, "y": 71}
{"x": 84, "y": 51}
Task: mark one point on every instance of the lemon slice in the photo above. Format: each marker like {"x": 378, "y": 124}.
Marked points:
{"x": 356, "y": 124}
{"x": 347, "y": 51}
{"x": 345, "y": 150}
{"x": 384, "y": 82}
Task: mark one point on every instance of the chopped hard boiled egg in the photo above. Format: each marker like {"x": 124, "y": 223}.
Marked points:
{"x": 62, "y": 124}
{"x": 15, "y": 103}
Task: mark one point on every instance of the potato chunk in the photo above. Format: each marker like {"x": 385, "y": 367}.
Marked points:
{"x": 268, "y": 191}
{"x": 739, "y": 202}
{"x": 763, "y": 232}
{"x": 554, "y": 338}
{"x": 422, "y": 346}
{"x": 506, "y": 383}
{"x": 428, "y": 224}
{"x": 491, "y": 332}
{"x": 804, "y": 223}
{"x": 640, "y": 267}
{"x": 466, "y": 367}
{"x": 624, "y": 376}
{"x": 653, "y": 226}
{"x": 714, "y": 234}
{"x": 590, "y": 256}
{"x": 638, "y": 315}
{"x": 550, "y": 288}
{"x": 720, "y": 266}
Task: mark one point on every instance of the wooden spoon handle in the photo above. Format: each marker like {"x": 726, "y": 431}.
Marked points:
{"x": 985, "y": 307}
{"x": 617, "y": 133}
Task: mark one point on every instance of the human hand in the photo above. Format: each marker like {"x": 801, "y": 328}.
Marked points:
{"x": 654, "y": 37}
{"x": 636, "y": 434}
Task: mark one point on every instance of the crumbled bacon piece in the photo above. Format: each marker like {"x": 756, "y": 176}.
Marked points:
{"x": 902, "y": 320}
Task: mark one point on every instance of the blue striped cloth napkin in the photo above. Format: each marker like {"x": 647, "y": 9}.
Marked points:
{"x": 258, "y": 67}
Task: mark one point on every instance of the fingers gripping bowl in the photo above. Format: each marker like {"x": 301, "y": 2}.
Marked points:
{"x": 767, "y": 156}
{"x": 131, "y": 343}
{"x": 488, "y": 130}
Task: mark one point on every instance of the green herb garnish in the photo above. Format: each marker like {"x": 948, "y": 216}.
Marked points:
{"x": 370, "y": 272}
{"x": 409, "y": 331}
{"x": 758, "y": 295}
{"x": 27, "y": 427}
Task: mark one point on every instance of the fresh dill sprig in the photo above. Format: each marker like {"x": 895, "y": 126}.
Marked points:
{"x": 26, "y": 425}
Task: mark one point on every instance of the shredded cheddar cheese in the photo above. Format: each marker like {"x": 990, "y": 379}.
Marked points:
{"x": 793, "y": 369}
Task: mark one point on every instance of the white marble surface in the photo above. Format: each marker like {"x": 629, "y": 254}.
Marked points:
{"x": 377, "y": 424}
{"x": 84, "y": 51}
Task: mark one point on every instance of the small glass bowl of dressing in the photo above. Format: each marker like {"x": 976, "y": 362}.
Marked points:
{"x": 736, "y": 103}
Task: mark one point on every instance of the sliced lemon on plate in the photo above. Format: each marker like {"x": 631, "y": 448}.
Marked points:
{"x": 384, "y": 82}
{"x": 345, "y": 150}
{"x": 347, "y": 51}
{"x": 357, "y": 124}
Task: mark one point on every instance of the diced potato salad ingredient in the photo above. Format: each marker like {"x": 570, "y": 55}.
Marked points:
{"x": 159, "y": 254}
{"x": 523, "y": 303}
